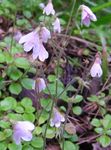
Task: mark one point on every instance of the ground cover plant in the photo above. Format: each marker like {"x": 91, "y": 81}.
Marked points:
{"x": 55, "y": 75}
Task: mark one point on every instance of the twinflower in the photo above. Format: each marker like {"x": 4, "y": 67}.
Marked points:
{"x": 56, "y": 25}
{"x": 45, "y": 34}
{"x": 56, "y": 119}
{"x": 48, "y": 9}
{"x": 39, "y": 85}
{"x": 96, "y": 70}
{"x": 22, "y": 131}
{"x": 87, "y": 15}
{"x": 32, "y": 41}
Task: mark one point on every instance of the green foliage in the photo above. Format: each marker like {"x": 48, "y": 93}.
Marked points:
{"x": 8, "y": 103}
{"x": 103, "y": 127}
{"x": 77, "y": 110}
{"x": 22, "y": 63}
{"x": 70, "y": 145}
{"x": 16, "y": 73}
{"x": 27, "y": 83}
{"x": 15, "y": 88}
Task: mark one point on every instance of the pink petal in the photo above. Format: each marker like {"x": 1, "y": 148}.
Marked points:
{"x": 45, "y": 34}
{"x": 17, "y": 137}
{"x": 49, "y": 9}
{"x": 56, "y": 25}
{"x": 26, "y": 37}
{"x": 28, "y": 46}
{"x": 40, "y": 84}
{"x": 86, "y": 22}
{"x": 43, "y": 54}
{"x": 27, "y": 136}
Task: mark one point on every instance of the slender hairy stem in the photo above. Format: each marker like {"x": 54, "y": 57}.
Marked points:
{"x": 42, "y": 71}
{"x": 66, "y": 116}
{"x": 48, "y": 124}
{"x": 14, "y": 22}
{"x": 71, "y": 15}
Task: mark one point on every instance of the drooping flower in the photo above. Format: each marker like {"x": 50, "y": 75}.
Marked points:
{"x": 48, "y": 9}
{"x": 22, "y": 131}
{"x": 39, "y": 85}
{"x": 32, "y": 41}
{"x": 56, "y": 25}
{"x": 56, "y": 119}
{"x": 87, "y": 15}
{"x": 42, "y": 5}
{"x": 45, "y": 34}
{"x": 96, "y": 70}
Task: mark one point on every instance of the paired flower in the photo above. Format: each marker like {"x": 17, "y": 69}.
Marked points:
{"x": 96, "y": 70}
{"x": 56, "y": 25}
{"x": 48, "y": 9}
{"x": 87, "y": 15}
{"x": 56, "y": 119}
{"x": 42, "y": 5}
{"x": 33, "y": 41}
{"x": 22, "y": 131}
{"x": 39, "y": 85}
{"x": 45, "y": 34}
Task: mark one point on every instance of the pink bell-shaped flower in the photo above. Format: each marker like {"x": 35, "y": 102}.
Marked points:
{"x": 32, "y": 41}
{"x": 96, "y": 70}
{"x": 48, "y": 9}
{"x": 45, "y": 34}
{"x": 56, "y": 25}
{"x": 56, "y": 119}
{"x": 39, "y": 85}
{"x": 22, "y": 131}
{"x": 87, "y": 15}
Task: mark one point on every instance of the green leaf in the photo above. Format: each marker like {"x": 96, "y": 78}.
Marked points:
{"x": 99, "y": 130}
{"x": 50, "y": 133}
{"x": 29, "y": 109}
{"x": 28, "y": 147}
{"x": 27, "y": 83}
{"x": 19, "y": 109}
{"x": 37, "y": 142}
{"x": 13, "y": 146}
{"x": 29, "y": 117}
{"x": 22, "y": 63}
{"x": 15, "y": 88}
{"x": 43, "y": 117}
{"x": 2, "y": 136}
{"x": 26, "y": 102}
{"x": 27, "y": 14}
{"x": 106, "y": 122}
{"x": 69, "y": 146}
{"x": 78, "y": 99}
{"x": 104, "y": 140}
{"x": 14, "y": 73}
{"x": 8, "y": 103}
{"x": 16, "y": 117}
{"x": 3, "y": 145}
{"x": 77, "y": 110}
{"x": 46, "y": 104}
{"x": 4, "y": 124}
{"x": 8, "y": 57}
{"x": 96, "y": 122}
{"x": 108, "y": 132}
{"x": 38, "y": 130}
{"x": 2, "y": 58}
{"x": 7, "y": 132}
{"x": 93, "y": 98}
{"x": 52, "y": 78}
